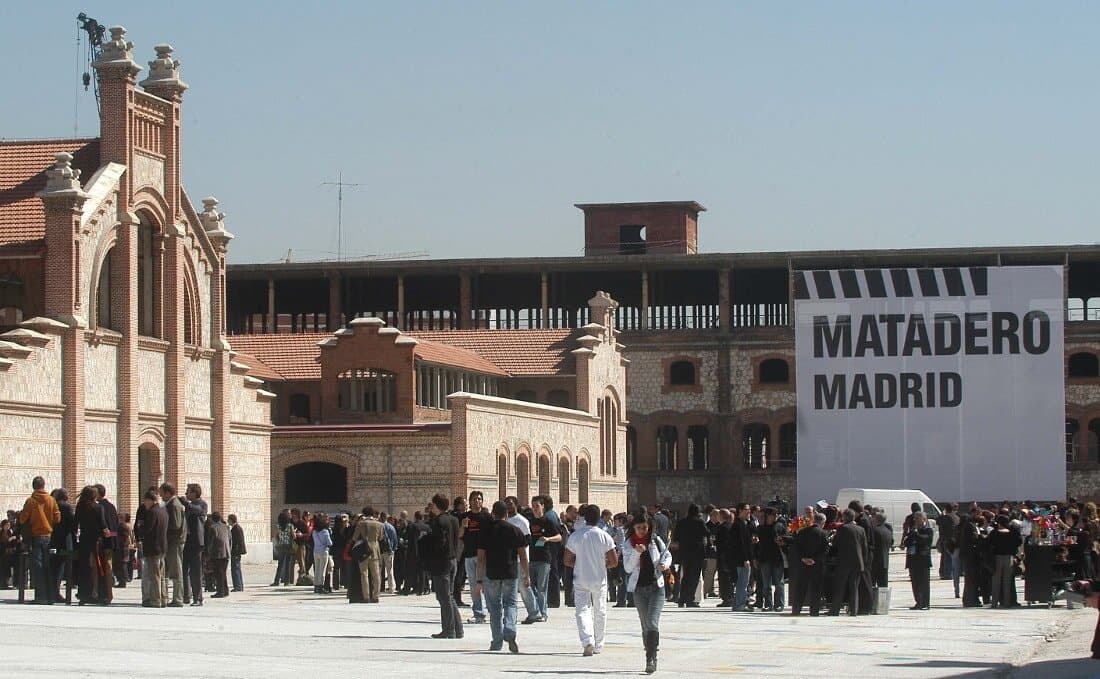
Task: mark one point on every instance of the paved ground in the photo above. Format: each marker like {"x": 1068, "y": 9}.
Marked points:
{"x": 271, "y": 633}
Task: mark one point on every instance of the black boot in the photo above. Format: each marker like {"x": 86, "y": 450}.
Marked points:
{"x": 651, "y": 640}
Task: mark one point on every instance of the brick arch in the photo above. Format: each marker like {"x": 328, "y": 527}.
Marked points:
{"x": 191, "y": 290}
{"x": 757, "y": 361}
{"x": 522, "y": 468}
{"x": 150, "y": 201}
{"x": 502, "y": 465}
{"x": 279, "y": 465}
{"x": 564, "y": 472}
{"x": 545, "y": 478}
{"x": 102, "y": 251}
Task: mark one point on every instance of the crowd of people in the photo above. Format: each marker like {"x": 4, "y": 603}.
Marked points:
{"x": 176, "y": 548}
{"x": 750, "y": 558}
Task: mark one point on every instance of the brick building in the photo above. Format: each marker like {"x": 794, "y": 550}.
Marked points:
{"x": 115, "y": 367}
{"x": 710, "y": 400}
{"x": 372, "y": 415}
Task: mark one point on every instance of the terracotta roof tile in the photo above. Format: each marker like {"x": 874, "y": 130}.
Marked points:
{"x": 446, "y": 354}
{"x": 23, "y": 167}
{"x": 520, "y": 352}
{"x": 495, "y": 352}
{"x": 257, "y": 368}
{"x": 294, "y": 357}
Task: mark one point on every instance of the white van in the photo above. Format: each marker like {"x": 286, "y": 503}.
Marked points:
{"x": 895, "y": 503}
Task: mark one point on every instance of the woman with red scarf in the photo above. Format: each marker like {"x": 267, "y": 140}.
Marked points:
{"x": 645, "y": 559}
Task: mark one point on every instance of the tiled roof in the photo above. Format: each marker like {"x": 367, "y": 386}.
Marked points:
{"x": 520, "y": 352}
{"x": 446, "y": 354}
{"x": 293, "y": 356}
{"x": 494, "y": 352}
{"x": 257, "y": 368}
{"x": 23, "y": 166}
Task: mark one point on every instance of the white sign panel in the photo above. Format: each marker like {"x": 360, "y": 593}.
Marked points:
{"x": 949, "y": 380}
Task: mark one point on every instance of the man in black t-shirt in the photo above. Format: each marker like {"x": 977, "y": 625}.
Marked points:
{"x": 442, "y": 559}
{"x": 473, "y": 522}
{"x": 501, "y": 546}
{"x": 543, "y": 534}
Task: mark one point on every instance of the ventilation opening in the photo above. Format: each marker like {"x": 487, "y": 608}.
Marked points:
{"x": 632, "y": 239}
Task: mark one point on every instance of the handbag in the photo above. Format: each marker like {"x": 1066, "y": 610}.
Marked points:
{"x": 360, "y": 551}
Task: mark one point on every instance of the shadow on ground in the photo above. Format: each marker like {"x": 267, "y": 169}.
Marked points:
{"x": 1071, "y": 668}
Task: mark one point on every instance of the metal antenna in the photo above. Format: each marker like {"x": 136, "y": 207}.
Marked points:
{"x": 340, "y": 184}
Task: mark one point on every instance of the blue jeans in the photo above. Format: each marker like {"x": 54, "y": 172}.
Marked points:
{"x": 741, "y": 595}
{"x": 235, "y": 569}
{"x": 40, "y": 569}
{"x": 540, "y": 579}
{"x": 649, "y": 600}
{"x": 476, "y": 603}
{"x": 771, "y": 574}
{"x": 956, "y": 570}
{"x": 501, "y": 598}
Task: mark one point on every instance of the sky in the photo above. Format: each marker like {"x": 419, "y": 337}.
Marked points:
{"x": 471, "y": 128}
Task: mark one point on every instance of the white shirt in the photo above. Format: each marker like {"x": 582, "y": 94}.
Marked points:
{"x": 520, "y": 521}
{"x": 590, "y": 548}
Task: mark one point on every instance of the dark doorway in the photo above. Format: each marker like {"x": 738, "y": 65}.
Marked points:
{"x": 316, "y": 483}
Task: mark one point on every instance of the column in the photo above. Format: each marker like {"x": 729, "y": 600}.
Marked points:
{"x": 464, "y": 301}
{"x": 724, "y": 316}
{"x": 400, "y": 303}
{"x": 643, "y": 322}
{"x": 271, "y": 305}
{"x": 544, "y": 318}
{"x": 335, "y": 307}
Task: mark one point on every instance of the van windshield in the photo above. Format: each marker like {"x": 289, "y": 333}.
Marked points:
{"x": 931, "y": 511}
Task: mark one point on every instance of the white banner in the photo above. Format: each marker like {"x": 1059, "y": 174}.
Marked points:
{"x": 948, "y": 380}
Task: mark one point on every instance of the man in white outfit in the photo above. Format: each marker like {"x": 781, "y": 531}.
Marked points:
{"x": 590, "y": 552}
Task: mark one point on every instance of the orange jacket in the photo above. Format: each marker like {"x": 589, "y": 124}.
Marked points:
{"x": 41, "y": 512}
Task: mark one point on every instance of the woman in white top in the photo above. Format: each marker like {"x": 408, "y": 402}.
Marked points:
{"x": 645, "y": 559}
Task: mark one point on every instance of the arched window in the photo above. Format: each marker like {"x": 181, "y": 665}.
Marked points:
{"x": 631, "y": 449}
{"x": 367, "y": 390}
{"x": 557, "y": 397}
{"x": 681, "y": 373}
{"x": 788, "y": 446}
{"x": 526, "y": 395}
{"x": 502, "y": 476}
{"x": 12, "y": 299}
{"x": 299, "y": 409}
{"x": 698, "y": 443}
{"x": 523, "y": 479}
{"x": 544, "y": 475}
{"x": 775, "y": 371}
{"x": 316, "y": 483}
{"x": 103, "y": 293}
{"x": 1071, "y": 440}
{"x": 563, "y": 480}
{"x": 1083, "y": 364}
{"x": 582, "y": 481}
{"x": 190, "y": 317}
{"x": 149, "y": 280}
{"x": 1094, "y": 441}
{"x": 754, "y": 445}
{"x": 666, "y": 447}
{"x": 609, "y": 426}
{"x": 148, "y": 466}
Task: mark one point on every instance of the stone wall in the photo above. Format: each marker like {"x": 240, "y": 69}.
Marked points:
{"x": 198, "y": 387}
{"x": 101, "y": 456}
{"x": 646, "y": 378}
{"x": 1083, "y": 484}
{"x": 742, "y": 379}
{"x": 36, "y": 378}
{"x": 150, "y": 365}
{"x": 31, "y": 445}
{"x": 682, "y": 490}
{"x": 248, "y": 487}
{"x": 101, "y": 376}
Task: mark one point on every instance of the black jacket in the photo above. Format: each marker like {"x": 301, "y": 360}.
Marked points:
{"x": 812, "y": 543}
{"x": 767, "y": 550}
{"x": 884, "y": 540}
{"x": 238, "y": 544}
{"x": 735, "y": 545}
{"x": 445, "y": 546}
{"x": 920, "y": 540}
{"x": 851, "y": 548}
{"x": 691, "y": 535}
{"x": 110, "y": 516}
{"x": 195, "y": 513}
{"x": 65, "y": 528}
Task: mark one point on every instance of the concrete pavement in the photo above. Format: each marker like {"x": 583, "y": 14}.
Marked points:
{"x": 272, "y": 633}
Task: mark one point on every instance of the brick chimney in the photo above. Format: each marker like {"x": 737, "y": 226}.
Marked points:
{"x": 117, "y": 71}
{"x": 641, "y": 228}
